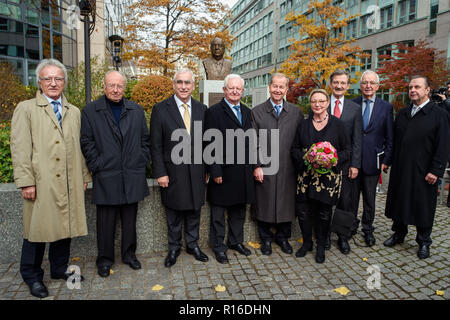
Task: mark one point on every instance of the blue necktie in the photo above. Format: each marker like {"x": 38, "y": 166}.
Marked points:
{"x": 238, "y": 112}
{"x": 56, "y": 110}
{"x": 366, "y": 115}
{"x": 277, "y": 109}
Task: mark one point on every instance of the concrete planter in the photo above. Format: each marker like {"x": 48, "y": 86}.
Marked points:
{"x": 151, "y": 226}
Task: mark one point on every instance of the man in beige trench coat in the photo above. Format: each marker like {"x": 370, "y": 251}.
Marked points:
{"x": 50, "y": 169}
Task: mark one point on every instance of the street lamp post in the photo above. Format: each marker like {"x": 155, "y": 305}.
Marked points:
{"x": 116, "y": 50}
{"x": 86, "y": 9}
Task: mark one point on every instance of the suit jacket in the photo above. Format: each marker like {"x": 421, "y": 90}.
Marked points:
{"x": 186, "y": 190}
{"x": 116, "y": 156}
{"x": 238, "y": 182}
{"x": 378, "y": 136}
{"x": 275, "y": 197}
{"x": 352, "y": 118}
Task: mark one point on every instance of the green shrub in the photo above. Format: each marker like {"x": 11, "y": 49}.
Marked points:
{"x": 6, "y": 169}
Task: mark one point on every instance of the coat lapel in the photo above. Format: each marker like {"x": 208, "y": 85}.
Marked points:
{"x": 42, "y": 101}
{"x": 230, "y": 113}
{"x": 103, "y": 108}
{"x": 172, "y": 109}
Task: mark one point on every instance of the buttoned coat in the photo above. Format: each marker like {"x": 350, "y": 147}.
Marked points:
{"x": 377, "y": 137}
{"x": 421, "y": 146}
{"x": 116, "y": 156}
{"x": 237, "y": 185}
{"x": 186, "y": 190}
{"x": 275, "y": 196}
{"x": 50, "y": 158}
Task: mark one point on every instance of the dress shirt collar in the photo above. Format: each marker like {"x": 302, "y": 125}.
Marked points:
{"x": 180, "y": 103}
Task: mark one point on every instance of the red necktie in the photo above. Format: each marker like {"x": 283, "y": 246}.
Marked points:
{"x": 337, "y": 111}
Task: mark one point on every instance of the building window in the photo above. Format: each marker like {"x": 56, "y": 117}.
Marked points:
{"x": 364, "y": 28}
{"x": 367, "y": 62}
{"x": 351, "y": 29}
{"x": 433, "y": 16}
{"x": 386, "y": 18}
{"x": 406, "y": 11}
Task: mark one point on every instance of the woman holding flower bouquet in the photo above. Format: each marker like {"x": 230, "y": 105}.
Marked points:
{"x": 320, "y": 150}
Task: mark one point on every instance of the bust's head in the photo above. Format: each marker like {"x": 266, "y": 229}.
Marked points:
{"x": 217, "y": 48}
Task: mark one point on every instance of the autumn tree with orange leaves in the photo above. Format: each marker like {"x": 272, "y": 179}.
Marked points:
{"x": 322, "y": 48}
{"x": 406, "y": 61}
{"x": 161, "y": 33}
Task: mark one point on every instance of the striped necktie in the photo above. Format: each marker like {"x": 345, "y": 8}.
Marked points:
{"x": 238, "y": 112}
{"x": 56, "y": 110}
{"x": 187, "y": 118}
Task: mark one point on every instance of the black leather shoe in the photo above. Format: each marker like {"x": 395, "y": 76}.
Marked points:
{"x": 221, "y": 257}
{"x": 266, "y": 248}
{"x": 198, "y": 254}
{"x": 285, "y": 246}
{"x": 38, "y": 289}
{"x": 171, "y": 258}
{"x": 65, "y": 276}
{"x": 320, "y": 254}
{"x": 369, "y": 239}
{"x": 343, "y": 245}
{"x": 393, "y": 240}
{"x": 241, "y": 249}
{"x": 328, "y": 242}
{"x": 303, "y": 250}
{"x": 134, "y": 264}
{"x": 424, "y": 251}
{"x": 104, "y": 271}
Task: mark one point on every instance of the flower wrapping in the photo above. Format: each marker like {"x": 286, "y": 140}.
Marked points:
{"x": 321, "y": 157}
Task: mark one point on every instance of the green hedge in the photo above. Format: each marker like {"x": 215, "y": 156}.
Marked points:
{"x": 6, "y": 169}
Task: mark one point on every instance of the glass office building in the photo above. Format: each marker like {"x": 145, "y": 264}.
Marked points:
{"x": 262, "y": 34}
{"x": 31, "y": 30}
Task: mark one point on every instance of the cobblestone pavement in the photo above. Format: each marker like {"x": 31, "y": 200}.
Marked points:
{"x": 279, "y": 276}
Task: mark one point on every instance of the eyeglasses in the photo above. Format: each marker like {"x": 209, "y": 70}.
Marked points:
{"x": 318, "y": 101}
{"x": 50, "y": 80}
{"x": 114, "y": 86}
{"x": 186, "y": 82}
{"x": 235, "y": 88}
{"x": 372, "y": 83}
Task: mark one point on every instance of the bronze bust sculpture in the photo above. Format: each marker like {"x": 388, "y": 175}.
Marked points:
{"x": 216, "y": 67}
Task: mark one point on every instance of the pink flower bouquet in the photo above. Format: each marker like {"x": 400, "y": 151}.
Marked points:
{"x": 321, "y": 157}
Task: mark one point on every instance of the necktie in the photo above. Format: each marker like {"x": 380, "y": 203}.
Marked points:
{"x": 238, "y": 112}
{"x": 187, "y": 118}
{"x": 414, "y": 110}
{"x": 337, "y": 111}
{"x": 278, "y": 109}
{"x": 56, "y": 110}
{"x": 366, "y": 115}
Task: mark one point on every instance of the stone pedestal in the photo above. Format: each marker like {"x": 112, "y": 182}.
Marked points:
{"x": 211, "y": 91}
{"x": 260, "y": 95}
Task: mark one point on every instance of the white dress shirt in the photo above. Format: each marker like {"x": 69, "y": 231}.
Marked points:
{"x": 181, "y": 108}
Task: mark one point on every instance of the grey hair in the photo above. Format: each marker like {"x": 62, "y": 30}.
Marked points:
{"x": 279, "y": 75}
{"x": 50, "y": 62}
{"x": 339, "y": 72}
{"x": 370, "y": 72}
{"x": 233, "y": 76}
{"x": 114, "y": 71}
{"x": 183, "y": 71}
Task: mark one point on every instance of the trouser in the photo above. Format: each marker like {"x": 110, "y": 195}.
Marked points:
{"x": 236, "y": 219}
{"x": 423, "y": 234}
{"x": 347, "y": 199}
{"x": 282, "y": 233}
{"x": 314, "y": 215}
{"x": 174, "y": 227}
{"x": 106, "y": 230}
{"x": 33, "y": 254}
{"x": 368, "y": 186}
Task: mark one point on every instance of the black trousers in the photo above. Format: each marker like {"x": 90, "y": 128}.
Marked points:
{"x": 314, "y": 215}
{"x": 282, "y": 233}
{"x": 368, "y": 186}
{"x": 106, "y": 230}
{"x": 33, "y": 254}
{"x": 348, "y": 198}
{"x": 236, "y": 220}
{"x": 423, "y": 234}
{"x": 191, "y": 228}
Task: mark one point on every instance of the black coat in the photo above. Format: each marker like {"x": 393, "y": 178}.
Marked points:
{"x": 186, "y": 190}
{"x": 237, "y": 179}
{"x": 117, "y": 157}
{"x": 421, "y": 146}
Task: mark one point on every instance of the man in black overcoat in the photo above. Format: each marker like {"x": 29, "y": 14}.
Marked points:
{"x": 231, "y": 184}
{"x": 115, "y": 142}
{"x": 421, "y": 147}
{"x": 350, "y": 113}
{"x": 180, "y": 174}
